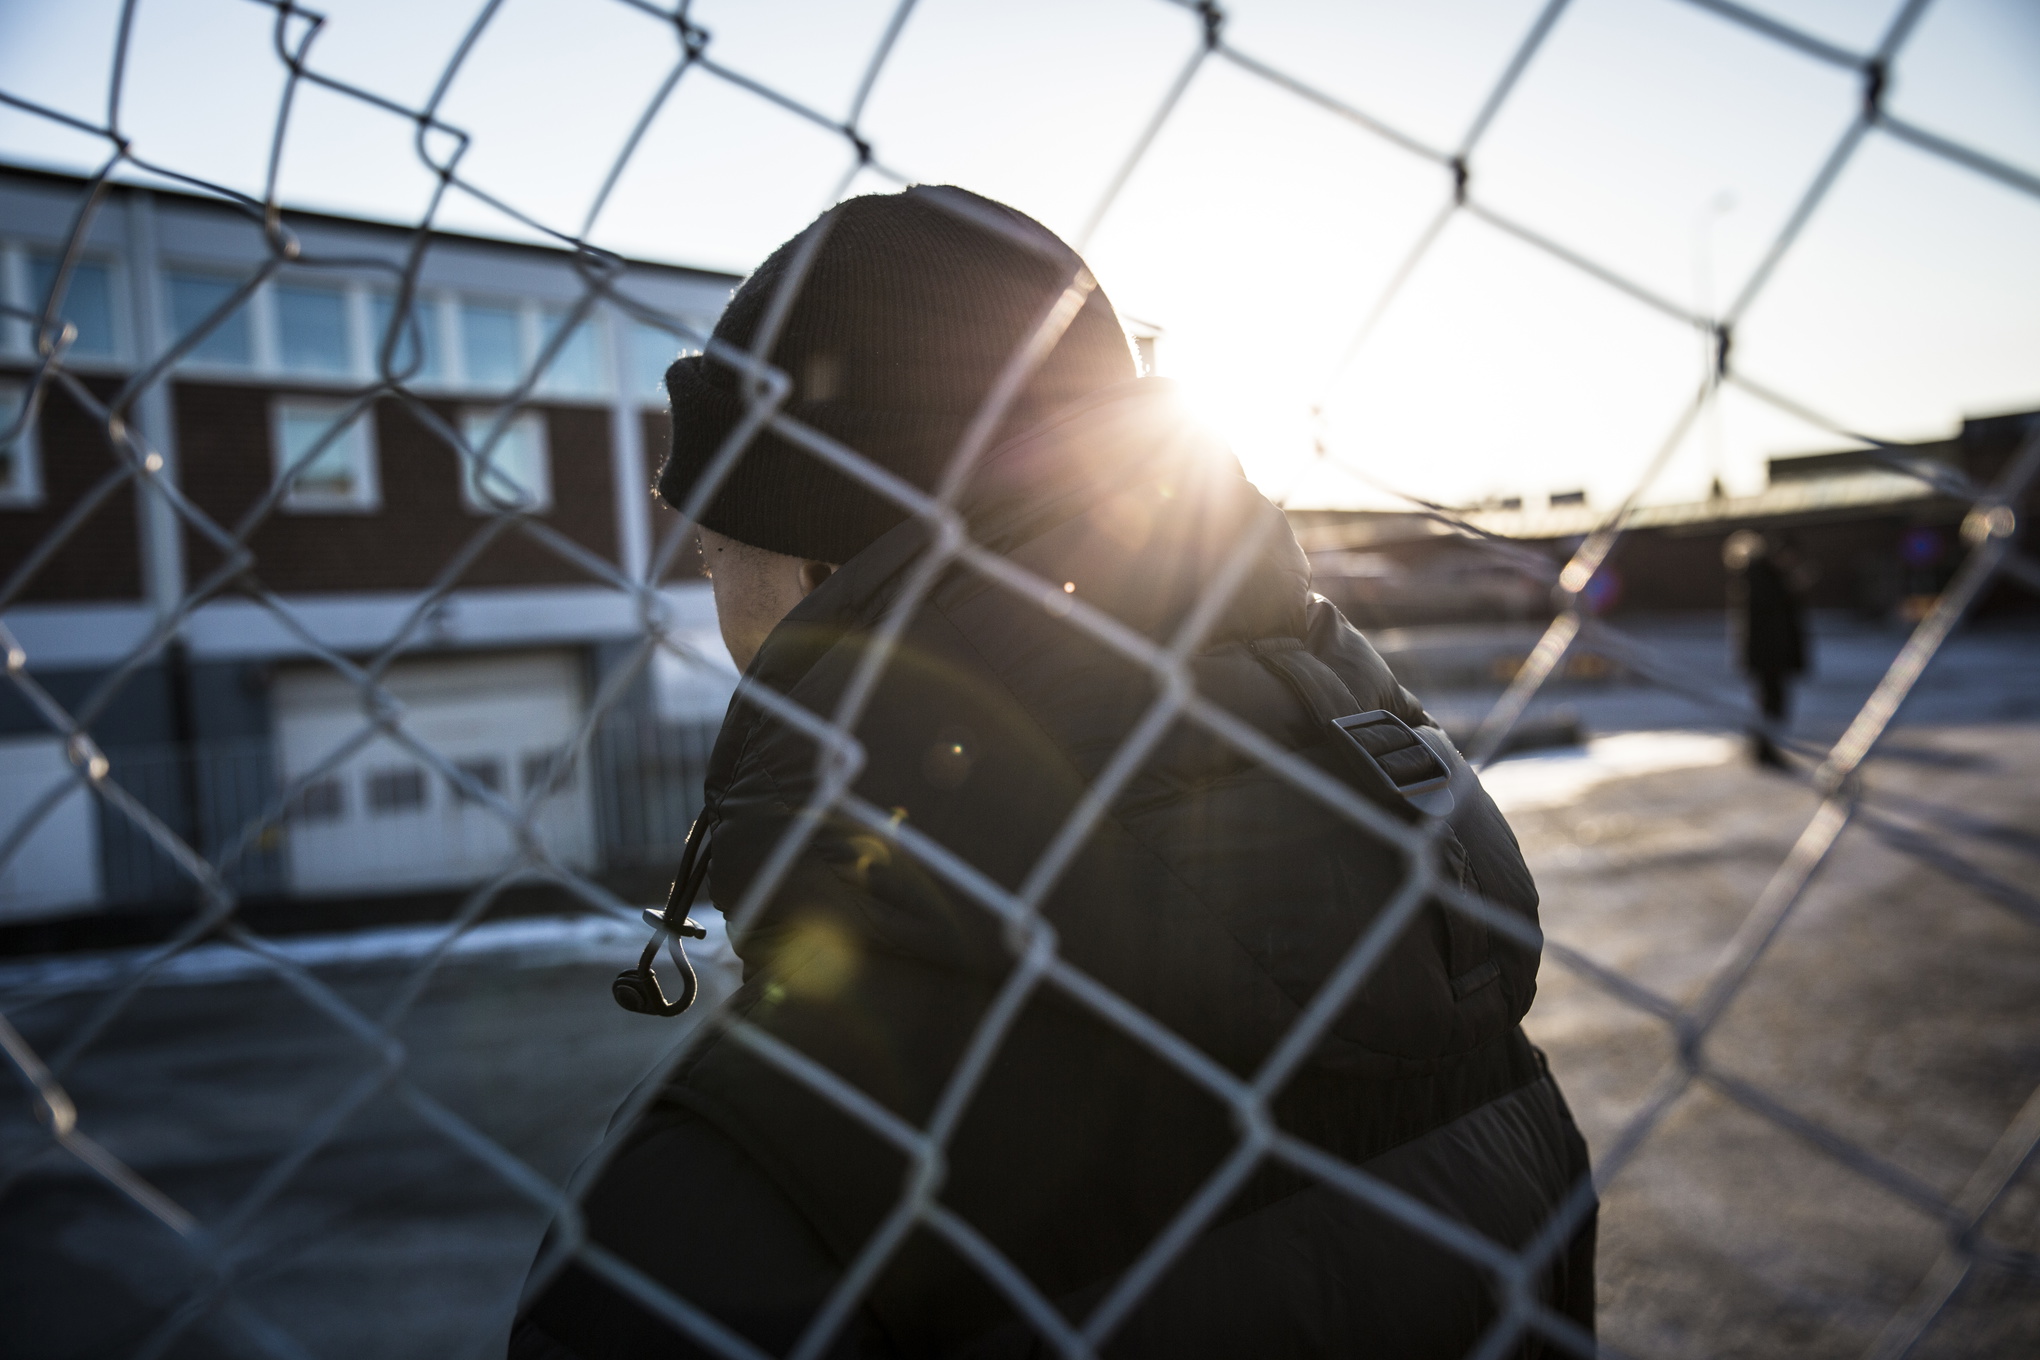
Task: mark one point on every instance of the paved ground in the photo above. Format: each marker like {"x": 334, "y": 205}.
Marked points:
{"x": 1982, "y": 676}
{"x": 390, "y": 1242}
{"x": 1899, "y": 1009}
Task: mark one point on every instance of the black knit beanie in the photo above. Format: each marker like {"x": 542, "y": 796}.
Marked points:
{"x": 910, "y": 307}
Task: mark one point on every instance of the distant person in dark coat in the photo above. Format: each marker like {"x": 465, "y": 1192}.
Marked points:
{"x": 1770, "y": 632}
{"x": 1211, "y": 894}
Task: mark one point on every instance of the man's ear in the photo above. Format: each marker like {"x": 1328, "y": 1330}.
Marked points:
{"x": 813, "y": 574}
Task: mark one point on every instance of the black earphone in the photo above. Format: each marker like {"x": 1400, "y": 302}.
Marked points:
{"x": 637, "y": 989}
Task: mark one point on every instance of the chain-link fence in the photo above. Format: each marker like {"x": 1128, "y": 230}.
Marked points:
{"x": 222, "y": 869}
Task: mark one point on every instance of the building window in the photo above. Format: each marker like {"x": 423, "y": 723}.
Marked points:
{"x": 576, "y": 370}
{"x": 328, "y": 469}
{"x": 20, "y": 468}
{"x": 518, "y": 475}
{"x": 311, "y": 329}
{"x": 490, "y": 346}
{"x": 399, "y": 788}
{"x": 652, "y": 352}
{"x": 88, "y": 302}
{"x": 194, "y": 298}
{"x": 322, "y": 800}
{"x": 486, "y": 771}
{"x": 420, "y": 326}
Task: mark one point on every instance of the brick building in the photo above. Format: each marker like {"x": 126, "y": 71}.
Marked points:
{"x": 362, "y": 527}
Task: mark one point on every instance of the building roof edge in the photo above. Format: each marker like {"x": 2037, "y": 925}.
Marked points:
{"x": 54, "y": 175}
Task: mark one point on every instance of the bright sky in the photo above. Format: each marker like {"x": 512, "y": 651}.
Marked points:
{"x": 1648, "y": 135}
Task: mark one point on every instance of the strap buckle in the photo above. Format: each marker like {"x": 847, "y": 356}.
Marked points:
{"x": 1402, "y": 758}
{"x": 637, "y": 989}
{"x": 658, "y": 918}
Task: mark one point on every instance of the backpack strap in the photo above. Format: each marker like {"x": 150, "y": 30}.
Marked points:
{"x": 1398, "y": 768}
{"x": 1390, "y": 760}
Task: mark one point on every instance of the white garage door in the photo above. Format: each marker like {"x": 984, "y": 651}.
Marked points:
{"x": 384, "y": 821}
{"x": 56, "y": 868}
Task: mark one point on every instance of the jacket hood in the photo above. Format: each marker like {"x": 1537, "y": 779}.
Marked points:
{"x": 1123, "y": 501}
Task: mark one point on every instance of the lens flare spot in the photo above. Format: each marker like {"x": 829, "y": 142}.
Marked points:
{"x": 818, "y": 960}
{"x": 949, "y": 759}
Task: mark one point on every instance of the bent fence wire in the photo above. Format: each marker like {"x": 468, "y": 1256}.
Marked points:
{"x": 217, "y": 870}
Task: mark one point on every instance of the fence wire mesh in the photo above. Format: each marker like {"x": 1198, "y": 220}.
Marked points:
{"x": 1990, "y": 531}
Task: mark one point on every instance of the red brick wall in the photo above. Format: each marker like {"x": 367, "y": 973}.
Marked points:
{"x": 101, "y": 560}
{"x": 224, "y": 433}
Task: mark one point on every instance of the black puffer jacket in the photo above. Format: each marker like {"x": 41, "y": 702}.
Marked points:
{"x": 1213, "y": 896}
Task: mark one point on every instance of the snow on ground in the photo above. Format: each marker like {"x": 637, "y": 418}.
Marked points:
{"x": 1538, "y": 780}
{"x": 1546, "y": 779}
{"x": 523, "y": 942}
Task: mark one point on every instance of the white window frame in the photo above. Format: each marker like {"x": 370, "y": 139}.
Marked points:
{"x": 475, "y": 421}
{"x": 14, "y": 332}
{"x": 367, "y": 495}
{"x": 353, "y": 316}
{"x": 452, "y": 359}
{"x": 528, "y": 331}
{"x": 118, "y": 281}
{"x": 550, "y": 382}
{"x": 199, "y": 363}
{"x": 27, "y": 493}
{"x": 266, "y": 332}
{"x": 655, "y": 399}
{"x": 360, "y": 344}
{"x": 437, "y": 314}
